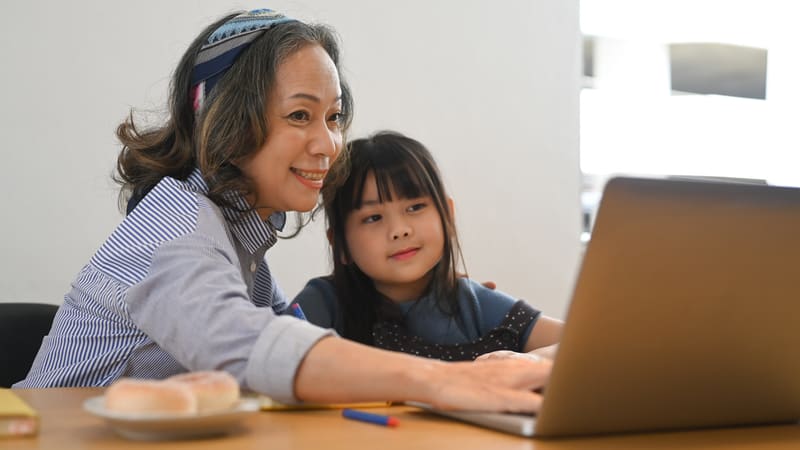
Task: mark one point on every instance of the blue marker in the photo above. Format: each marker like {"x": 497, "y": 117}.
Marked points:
{"x": 378, "y": 419}
{"x": 298, "y": 312}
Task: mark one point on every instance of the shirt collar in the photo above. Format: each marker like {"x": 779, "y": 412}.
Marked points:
{"x": 252, "y": 232}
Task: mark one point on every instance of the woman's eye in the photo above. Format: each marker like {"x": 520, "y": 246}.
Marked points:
{"x": 338, "y": 118}
{"x": 298, "y": 116}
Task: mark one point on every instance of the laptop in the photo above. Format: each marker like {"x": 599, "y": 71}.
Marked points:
{"x": 685, "y": 314}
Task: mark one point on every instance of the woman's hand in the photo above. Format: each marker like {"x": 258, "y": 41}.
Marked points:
{"x": 490, "y": 385}
{"x": 487, "y": 284}
{"x": 336, "y": 370}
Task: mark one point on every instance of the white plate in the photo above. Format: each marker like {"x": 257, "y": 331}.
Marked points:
{"x": 172, "y": 426}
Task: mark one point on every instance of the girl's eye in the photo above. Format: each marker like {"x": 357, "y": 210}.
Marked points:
{"x": 372, "y": 219}
{"x": 417, "y": 207}
{"x": 298, "y": 116}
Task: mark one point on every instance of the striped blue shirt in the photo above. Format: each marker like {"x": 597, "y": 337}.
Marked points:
{"x": 180, "y": 284}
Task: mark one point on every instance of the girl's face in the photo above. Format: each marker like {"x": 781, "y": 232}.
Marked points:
{"x": 396, "y": 243}
{"x": 304, "y": 134}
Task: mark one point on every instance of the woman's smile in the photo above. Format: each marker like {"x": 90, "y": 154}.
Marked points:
{"x": 310, "y": 178}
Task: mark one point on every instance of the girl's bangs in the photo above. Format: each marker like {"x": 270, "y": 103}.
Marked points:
{"x": 401, "y": 179}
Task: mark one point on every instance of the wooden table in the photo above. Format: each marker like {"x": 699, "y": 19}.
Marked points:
{"x": 65, "y": 425}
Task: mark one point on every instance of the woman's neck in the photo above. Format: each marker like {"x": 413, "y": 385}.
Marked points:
{"x": 264, "y": 212}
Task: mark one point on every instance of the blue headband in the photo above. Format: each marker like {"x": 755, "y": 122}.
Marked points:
{"x": 225, "y": 44}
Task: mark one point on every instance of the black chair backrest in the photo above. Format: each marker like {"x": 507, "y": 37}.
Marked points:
{"x": 22, "y": 327}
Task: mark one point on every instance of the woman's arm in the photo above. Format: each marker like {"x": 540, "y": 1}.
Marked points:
{"x": 337, "y": 370}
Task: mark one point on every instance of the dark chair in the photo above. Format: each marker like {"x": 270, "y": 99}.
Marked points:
{"x": 22, "y": 327}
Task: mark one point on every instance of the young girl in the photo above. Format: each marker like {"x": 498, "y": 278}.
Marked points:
{"x": 257, "y": 116}
{"x": 395, "y": 251}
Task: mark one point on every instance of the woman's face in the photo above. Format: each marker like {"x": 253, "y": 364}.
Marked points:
{"x": 304, "y": 134}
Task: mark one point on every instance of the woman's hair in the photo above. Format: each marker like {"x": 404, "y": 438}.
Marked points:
{"x": 232, "y": 123}
{"x": 403, "y": 167}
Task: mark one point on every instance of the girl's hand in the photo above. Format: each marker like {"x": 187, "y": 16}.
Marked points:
{"x": 538, "y": 354}
{"x": 508, "y": 354}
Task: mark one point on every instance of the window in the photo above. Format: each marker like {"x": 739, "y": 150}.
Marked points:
{"x": 702, "y": 88}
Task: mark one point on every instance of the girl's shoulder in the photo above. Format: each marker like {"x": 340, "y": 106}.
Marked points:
{"x": 321, "y": 285}
{"x": 487, "y": 307}
{"x": 473, "y": 291}
{"x": 318, "y": 302}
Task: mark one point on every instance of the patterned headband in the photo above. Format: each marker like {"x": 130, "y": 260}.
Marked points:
{"x": 224, "y": 45}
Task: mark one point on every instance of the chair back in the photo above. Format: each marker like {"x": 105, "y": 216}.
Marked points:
{"x": 22, "y": 327}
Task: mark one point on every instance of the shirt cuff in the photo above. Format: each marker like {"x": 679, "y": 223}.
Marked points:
{"x": 277, "y": 354}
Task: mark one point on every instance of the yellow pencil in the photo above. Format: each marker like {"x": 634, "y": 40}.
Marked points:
{"x": 268, "y": 404}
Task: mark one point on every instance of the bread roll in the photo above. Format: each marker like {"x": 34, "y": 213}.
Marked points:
{"x": 150, "y": 397}
{"x": 214, "y": 390}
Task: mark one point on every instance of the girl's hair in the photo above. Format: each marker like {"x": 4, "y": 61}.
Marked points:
{"x": 404, "y": 167}
{"x": 231, "y": 125}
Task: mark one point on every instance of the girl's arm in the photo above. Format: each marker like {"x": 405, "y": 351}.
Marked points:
{"x": 337, "y": 370}
{"x": 542, "y": 342}
{"x": 544, "y": 337}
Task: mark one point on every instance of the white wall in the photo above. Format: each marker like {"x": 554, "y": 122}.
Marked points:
{"x": 490, "y": 87}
